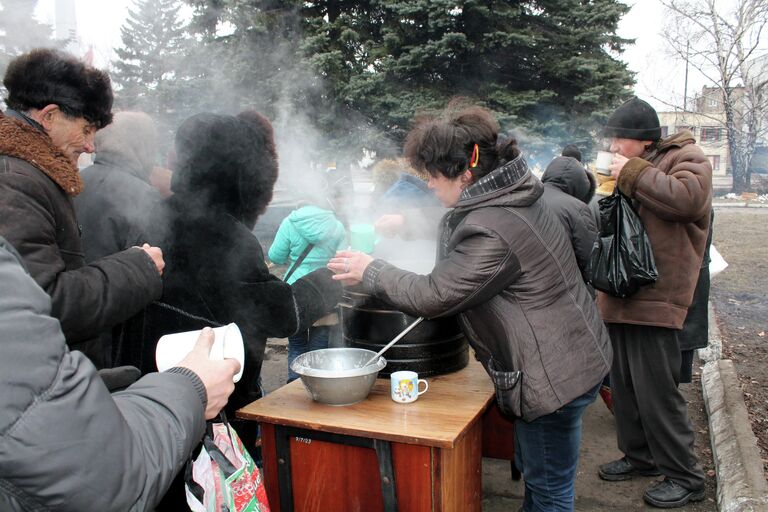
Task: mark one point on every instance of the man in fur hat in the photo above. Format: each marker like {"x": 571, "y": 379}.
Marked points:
{"x": 55, "y": 105}
{"x": 670, "y": 183}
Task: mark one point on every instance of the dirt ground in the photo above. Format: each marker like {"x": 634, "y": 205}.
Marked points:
{"x": 740, "y": 299}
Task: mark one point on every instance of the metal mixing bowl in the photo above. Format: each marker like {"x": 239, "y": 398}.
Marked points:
{"x": 336, "y": 376}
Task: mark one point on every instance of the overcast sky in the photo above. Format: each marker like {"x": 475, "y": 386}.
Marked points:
{"x": 658, "y": 75}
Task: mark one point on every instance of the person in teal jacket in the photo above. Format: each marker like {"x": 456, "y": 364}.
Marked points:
{"x": 309, "y": 224}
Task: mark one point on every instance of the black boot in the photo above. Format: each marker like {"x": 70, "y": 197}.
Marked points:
{"x": 621, "y": 469}
{"x": 668, "y": 494}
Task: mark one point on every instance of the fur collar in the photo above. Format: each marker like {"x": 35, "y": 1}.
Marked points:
{"x": 24, "y": 142}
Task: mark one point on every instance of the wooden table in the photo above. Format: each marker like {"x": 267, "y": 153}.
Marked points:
{"x": 376, "y": 455}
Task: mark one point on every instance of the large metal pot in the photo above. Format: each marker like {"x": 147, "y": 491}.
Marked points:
{"x": 434, "y": 347}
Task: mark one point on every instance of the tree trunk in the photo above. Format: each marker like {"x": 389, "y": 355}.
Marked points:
{"x": 737, "y": 162}
{"x": 739, "y": 176}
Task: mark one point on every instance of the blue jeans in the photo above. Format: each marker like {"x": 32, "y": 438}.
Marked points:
{"x": 547, "y": 452}
{"x": 312, "y": 339}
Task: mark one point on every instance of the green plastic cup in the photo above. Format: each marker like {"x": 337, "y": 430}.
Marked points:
{"x": 362, "y": 237}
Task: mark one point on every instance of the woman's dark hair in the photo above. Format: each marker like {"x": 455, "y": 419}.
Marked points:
{"x": 443, "y": 145}
{"x": 45, "y": 76}
{"x": 226, "y": 163}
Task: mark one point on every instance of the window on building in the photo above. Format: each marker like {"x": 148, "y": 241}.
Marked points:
{"x": 682, "y": 127}
{"x": 715, "y": 161}
{"x": 710, "y": 133}
{"x": 664, "y": 131}
{"x": 713, "y": 103}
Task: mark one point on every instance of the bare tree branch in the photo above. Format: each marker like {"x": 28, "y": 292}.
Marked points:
{"x": 723, "y": 47}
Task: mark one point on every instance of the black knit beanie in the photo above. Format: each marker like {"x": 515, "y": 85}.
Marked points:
{"x": 572, "y": 150}
{"x": 634, "y": 119}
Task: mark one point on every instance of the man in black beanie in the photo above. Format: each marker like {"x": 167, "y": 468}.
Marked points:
{"x": 670, "y": 183}
{"x": 573, "y": 151}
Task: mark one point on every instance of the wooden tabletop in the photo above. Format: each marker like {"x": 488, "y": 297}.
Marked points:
{"x": 438, "y": 418}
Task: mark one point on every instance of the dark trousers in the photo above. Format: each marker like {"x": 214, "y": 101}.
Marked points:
{"x": 652, "y": 424}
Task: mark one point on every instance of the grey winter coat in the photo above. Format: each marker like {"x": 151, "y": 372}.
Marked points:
{"x": 507, "y": 269}
{"x": 578, "y": 221}
{"x": 567, "y": 192}
{"x": 117, "y": 197}
{"x": 37, "y": 183}
{"x": 66, "y": 444}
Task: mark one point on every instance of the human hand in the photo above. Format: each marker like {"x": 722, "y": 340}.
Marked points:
{"x": 349, "y": 266}
{"x": 617, "y": 164}
{"x": 217, "y": 376}
{"x": 389, "y": 225}
{"x": 157, "y": 256}
{"x": 160, "y": 178}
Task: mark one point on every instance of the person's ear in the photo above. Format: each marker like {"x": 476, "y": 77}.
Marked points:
{"x": 47, "y": 116}
{"x": 466, "y": 177}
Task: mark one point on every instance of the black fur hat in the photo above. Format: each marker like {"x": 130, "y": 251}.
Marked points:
{"x": 45, "y": 76}
{"x": 634, "y": 119}
{"x": 225, "y": 164}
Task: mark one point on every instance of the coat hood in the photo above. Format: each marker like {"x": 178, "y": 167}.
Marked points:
{"x": 316, "y": 224}
{"x": 512, "y": 184}
{"x": 129, "y": 144}
{"x": 219, "y": 167}
{"x": 22, "y": 141}
{"x": 567, "y": 174}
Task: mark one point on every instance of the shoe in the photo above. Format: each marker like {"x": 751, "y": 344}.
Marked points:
{"x": 621, "y": 469}
{"x": 668, "y": 494}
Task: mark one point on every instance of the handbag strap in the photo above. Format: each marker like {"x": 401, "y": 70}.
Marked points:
{"x": 299, "y": 261}
{"x": 214, "y": 451}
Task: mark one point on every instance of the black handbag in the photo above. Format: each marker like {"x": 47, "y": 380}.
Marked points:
{"x": 622, "y": 258}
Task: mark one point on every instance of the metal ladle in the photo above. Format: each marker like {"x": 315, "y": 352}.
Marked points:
{"x": 394, "y": 340}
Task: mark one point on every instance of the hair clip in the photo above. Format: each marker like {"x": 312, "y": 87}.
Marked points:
{"x": 475, "y": 157}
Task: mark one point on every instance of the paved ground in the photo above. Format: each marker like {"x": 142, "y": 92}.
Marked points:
{"x": 501, "y": 494}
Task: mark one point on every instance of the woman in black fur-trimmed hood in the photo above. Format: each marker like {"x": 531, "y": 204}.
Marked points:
{"x": 215, "y": 270}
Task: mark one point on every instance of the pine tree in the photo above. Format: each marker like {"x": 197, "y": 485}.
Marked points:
{"x": 151, "y": 70}
{"x": 19, "y": 31}
{"x": 359, "y": 70}
{"x": 543, "y": 66}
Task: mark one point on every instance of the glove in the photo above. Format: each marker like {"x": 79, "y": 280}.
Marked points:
{"x": 119, "y": 378}
{"x": 316, "y": 294}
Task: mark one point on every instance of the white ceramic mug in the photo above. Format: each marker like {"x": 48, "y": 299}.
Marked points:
{"x": 603, "y": 160}
{"x": 228, "y": 344}
{"x": 404, "y": 386}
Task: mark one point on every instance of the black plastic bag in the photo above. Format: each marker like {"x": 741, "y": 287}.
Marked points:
{"x": 622, "y": 258}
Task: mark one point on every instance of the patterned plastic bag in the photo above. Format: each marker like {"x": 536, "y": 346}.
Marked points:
{"x": 224, "y": 476}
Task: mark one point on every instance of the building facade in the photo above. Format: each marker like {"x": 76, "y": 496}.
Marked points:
{"x": 709, "y": 131}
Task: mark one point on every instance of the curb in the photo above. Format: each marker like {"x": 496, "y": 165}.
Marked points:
{"x": 741, "y": 484}
{"x": 745, "y": 204}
